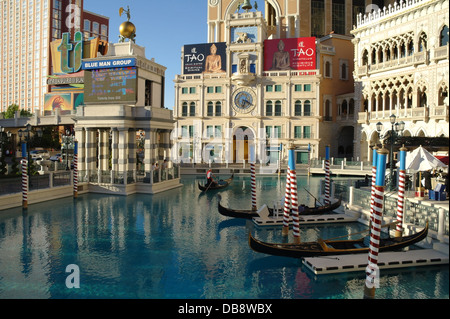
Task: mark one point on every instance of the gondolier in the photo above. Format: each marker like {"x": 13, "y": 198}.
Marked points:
{"x": 209, "y": 178}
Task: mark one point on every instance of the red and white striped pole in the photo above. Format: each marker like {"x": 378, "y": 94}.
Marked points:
{"x": 253, "y": 176}
{"x": 327, "y": 175}
{"x": 75, "y": 169}
{"x": 294, "y": 197}
{"x": 374, "y": 177}
{"x": 401, "y": 192}
{"x": 287, "y": 204}
{"x": 25, "y": 182}
{"x": 372, "y": 270}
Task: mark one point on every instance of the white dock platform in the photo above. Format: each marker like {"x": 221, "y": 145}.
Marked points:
{"x": 387, "y": 260}
{"x": 306, "y": 220}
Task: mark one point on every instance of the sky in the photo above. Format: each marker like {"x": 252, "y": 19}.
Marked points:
{"x": 163, "y": 27}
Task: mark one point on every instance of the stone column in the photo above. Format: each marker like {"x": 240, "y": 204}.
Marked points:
{"x": 148, "y": 160}
{"x": 91, "y": 150}
{"x": 114, "y": 154}
{"x": 132, "y": 151}
{"x": 123, "y": 153}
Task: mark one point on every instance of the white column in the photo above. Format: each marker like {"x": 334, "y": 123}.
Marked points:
{"x": 123, "y": 152}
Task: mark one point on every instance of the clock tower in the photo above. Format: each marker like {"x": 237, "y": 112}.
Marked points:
{"x": 256, "y": 85}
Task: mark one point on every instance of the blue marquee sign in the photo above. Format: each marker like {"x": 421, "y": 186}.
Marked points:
{"x": 109, "y": 64}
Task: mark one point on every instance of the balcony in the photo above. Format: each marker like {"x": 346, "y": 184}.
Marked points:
{"x": 411, "y": 114}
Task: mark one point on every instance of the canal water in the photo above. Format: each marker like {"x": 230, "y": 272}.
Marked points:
{"x": 175, "y": 245}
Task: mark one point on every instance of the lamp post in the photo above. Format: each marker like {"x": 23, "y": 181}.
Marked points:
{"x": 26, "y": 135}
{"x": 396, "y": 130}
{"x": 67, "y": 140}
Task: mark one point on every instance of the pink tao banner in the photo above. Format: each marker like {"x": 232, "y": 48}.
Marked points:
{"x": 290, "y": 54}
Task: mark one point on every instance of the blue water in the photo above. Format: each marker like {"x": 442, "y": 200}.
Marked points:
{"x": 176, "y": 245}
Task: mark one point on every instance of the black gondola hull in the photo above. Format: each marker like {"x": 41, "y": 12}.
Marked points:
{"x": 344, "y": 247}
{"x": 227, "y": 182}
{"x": 249, "y": 214}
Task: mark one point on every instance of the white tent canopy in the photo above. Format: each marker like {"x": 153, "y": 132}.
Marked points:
{"x": 420, "y": 160}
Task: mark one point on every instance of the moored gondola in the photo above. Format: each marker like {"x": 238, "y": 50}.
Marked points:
{"x": 221, "y": 184}
{"x": 336, "y": 247}
{"x": 249, "y": 214}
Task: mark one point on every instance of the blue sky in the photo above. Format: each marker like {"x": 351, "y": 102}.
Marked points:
{"x": 162, "y": 27}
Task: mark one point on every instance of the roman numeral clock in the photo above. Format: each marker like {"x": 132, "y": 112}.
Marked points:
{"x": 243, "y": 100}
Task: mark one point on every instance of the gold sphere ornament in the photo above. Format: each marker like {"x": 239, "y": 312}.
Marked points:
{"x": 127, "y": 30}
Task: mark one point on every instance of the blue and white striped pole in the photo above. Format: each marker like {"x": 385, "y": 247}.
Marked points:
{"x": 401, "y": 191}
{"x": 374, "y": 176}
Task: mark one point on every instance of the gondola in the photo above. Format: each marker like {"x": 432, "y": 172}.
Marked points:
{"x": 221, "y": 184}
{"x": 249, "y": 214}
{"x": 336, "y": 247}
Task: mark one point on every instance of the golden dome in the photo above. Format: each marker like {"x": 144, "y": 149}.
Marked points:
{"x": 127, "y": 29}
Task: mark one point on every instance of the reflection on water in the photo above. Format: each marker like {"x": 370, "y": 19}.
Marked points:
{"x": 176, "y": 245}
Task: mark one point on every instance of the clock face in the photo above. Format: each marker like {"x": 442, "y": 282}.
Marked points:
{"x": 243, "y": 100}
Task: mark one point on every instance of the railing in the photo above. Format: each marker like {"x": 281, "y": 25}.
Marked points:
{"x": 342, "y": 164}
{"x": 414, "y": 213}
{"x": 13, "y": 185}
{"x": 64, "y": 178}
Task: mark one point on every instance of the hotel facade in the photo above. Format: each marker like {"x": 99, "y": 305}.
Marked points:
{"x": 222, "y": 115}
{"x": 402, "y": 69}
{"x": 26, "y": 30}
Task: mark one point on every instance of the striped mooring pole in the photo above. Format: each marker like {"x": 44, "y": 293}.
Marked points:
{"x": 253, "y": 176}
{"x": 294, "y": 197}
{"x": 75, "y": 170}
{"x": 374, "y": 177}
{"x": 372, "y": 271}
{"x": 287, "y": 203}
{"x": 401, "y": 192}
{"x": 25, "y": 182}
{"x": 327, "y": 175}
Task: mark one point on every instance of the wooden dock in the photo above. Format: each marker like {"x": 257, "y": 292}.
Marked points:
{"x": 387, "y": 260}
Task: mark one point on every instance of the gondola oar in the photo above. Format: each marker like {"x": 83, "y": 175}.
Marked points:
{"x": 209, "y": 185}
{"x": 313, "y": 197}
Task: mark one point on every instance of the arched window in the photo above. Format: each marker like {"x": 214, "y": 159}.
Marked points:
{"x": 307, "y": 108}
{"x": 443, "y": 93}
{"x": 269, "y": 108}
{"x": 351, "y": 107}
{"x": 422, "y": 42}
{"x": 218, "y": 109}
{"x": 344, "y": 110}
{"x": 365, "y": 58}
{"x": 374, "y": 56}
{"x": 443, "y": 37}
{"x": 192, "y": 109}
{"x": 184, "y": 109}
{"x": 422, "y": 99}
{"x": 298, "y": 108}
{"x": 402, "y": 50}
{"x": 410, "y": 47}
{"x": 380, "y": 55}
{"x": 277, "y": 108}
{"x": 210, "y": 109}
